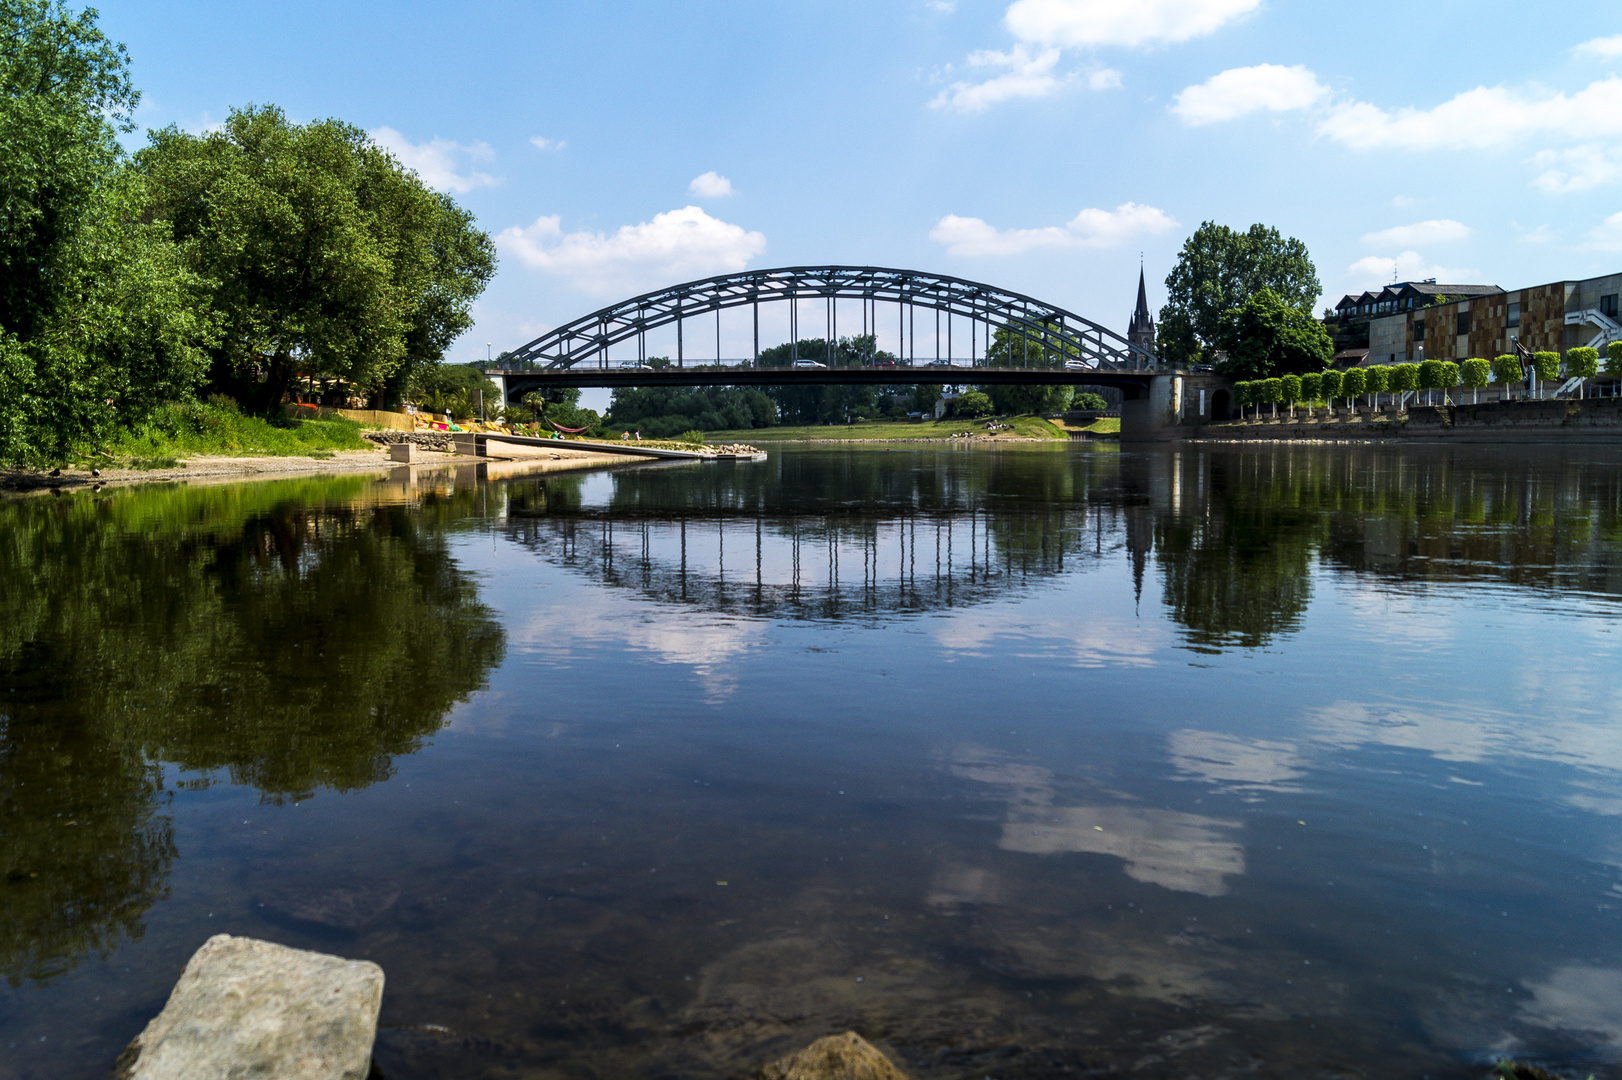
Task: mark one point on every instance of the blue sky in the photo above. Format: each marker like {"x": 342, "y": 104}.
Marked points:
{"x": 1039, "y": 145}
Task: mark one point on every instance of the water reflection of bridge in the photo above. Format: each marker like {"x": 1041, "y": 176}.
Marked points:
{"x": 824, "y": 565}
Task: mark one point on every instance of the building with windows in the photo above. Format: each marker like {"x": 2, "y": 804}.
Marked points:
{"x": 1348, "y": 322}
{"x": 1554, "y": 317}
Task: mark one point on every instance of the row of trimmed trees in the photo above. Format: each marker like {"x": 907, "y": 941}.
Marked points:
{"x": 1430, "y": 375}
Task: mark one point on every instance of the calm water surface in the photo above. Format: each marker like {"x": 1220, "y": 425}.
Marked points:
{"x": 1023, "y": 763}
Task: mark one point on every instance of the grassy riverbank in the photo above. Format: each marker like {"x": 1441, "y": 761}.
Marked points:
{"x": 1019, "y": 427}
{"x": 217, "y": 428}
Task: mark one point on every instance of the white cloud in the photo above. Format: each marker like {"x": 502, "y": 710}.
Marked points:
{"x": 677, "y": 245}
{"x": 1607, "y": 235}
{"x": 1089, "y": 229}
{"x": 942, "y": 7}
{"x": 1601, "y": 48}
{"x": 1479, "y": 119}
{"x": 712, "y": 185}
{"x": 1439, "y": 231}
{"x": 541, "y": 142}
{"x": 1373, "y": 271}
{"x": 1026, "y": 76}
{"x": 1239, "y": 91}
{"x": 1403, "y": 200}
{"x": 1105, "y": 79}
{"x": 440, "y": 163}
{"x": 1120, "y": 22}
{"x": 1577, "y": 168}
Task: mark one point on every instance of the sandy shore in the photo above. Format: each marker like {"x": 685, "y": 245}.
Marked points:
{"x": 227, "y": 470}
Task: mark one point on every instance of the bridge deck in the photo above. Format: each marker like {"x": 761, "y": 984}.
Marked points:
{"x": 581, "y": 375}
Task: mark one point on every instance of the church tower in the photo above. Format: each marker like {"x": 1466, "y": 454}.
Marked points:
{"x": 1141, "y": 330}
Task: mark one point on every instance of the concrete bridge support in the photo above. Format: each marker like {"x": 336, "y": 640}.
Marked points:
{"x": 1154, "y": 415}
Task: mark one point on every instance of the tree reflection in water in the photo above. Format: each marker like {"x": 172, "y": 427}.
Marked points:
{"x": 294, "y": 636}
{"x": 1234, "y": 532}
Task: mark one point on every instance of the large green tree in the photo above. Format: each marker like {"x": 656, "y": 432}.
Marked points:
{"x": 99, "y": 317}
{"x": 1219, "y": 270}
{"x": 1267, "y": 336}
{"x": 324, "y": 256}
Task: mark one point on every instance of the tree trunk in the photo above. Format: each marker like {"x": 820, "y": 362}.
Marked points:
{"x": 277, "y": 379}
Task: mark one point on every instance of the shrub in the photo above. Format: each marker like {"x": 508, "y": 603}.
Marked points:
{"x": 1547, "y": 364}
{"x": 1430, "y": 375}
{"x": 1582, "y": 362}
{"x": 694, "y": 436}
{"x": 1243, "y": 394}
{"x": 1448, "y": 377}
{"x": 1476, "y": 372}
{"x": 1354, "y": 382}
{"x": 1330, "y": 383}
{"x": 1089, "y": 402}
{"x": 1290, "y": 386}
{"x": 1613, "y": 358}
{"x": 972, "y": 403}
{"x": 1273, "y": 392}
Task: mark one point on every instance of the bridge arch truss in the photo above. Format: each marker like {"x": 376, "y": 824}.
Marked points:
{"x": 1063, "y": 333}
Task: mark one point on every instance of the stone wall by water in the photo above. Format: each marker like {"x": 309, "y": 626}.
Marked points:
{"x": 1593, "y": 420}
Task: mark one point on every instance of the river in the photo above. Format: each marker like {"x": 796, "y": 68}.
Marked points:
{"x": 1022, "y": 762}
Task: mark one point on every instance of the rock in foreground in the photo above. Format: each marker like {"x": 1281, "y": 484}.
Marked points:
{"x": 247, "y": 1008}
{"x": 836, "y": 1057}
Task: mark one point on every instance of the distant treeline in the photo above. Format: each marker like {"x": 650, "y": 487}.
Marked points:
{"x": 660, "y": 412}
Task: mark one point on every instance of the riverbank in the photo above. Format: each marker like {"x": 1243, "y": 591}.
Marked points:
{"x": 1009, "y": 429}
{"x": 206, "y": 469}
{"x": 1593, "y": 420}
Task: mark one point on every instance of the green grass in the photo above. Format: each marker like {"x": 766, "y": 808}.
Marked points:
{"x": 1103, "y": 425}
{"x": 216, "y": 428}
{"x": 1030, "y": 427}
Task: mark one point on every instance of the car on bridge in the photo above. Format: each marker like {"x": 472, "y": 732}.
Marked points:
{"x": 879, "y": 363}
{"x": 1074, "y": 365}
{"x": 632, "y": 365}
{"x": 937, "y": 363}
{"x": 808, "y": 364}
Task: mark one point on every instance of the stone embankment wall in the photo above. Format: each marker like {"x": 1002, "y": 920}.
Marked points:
{"x": 428, "y": 440}
{"x": 1594, "y": 420}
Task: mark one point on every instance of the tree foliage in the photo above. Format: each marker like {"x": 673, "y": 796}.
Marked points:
{"x": 1613, "y": 358}
{"x": 1354, "y": 383}
{"x": 1220, "y": 270}
{"x": 1506, "y": 368}
{"x": 1547, "y": 364}
{"x": 99, "y": 318}
{"x": 1266, "y": 336}
{"x": 323, "y": 255}
{"x": 1582, "y": 362}
{"x": 1476, "y": 372}
{"x": 664, "y": 411}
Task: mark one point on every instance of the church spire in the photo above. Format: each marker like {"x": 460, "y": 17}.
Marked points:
{"x": 1141, "y": 330}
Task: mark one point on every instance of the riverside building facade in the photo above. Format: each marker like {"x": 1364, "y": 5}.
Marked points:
{"x": 1414, "y": 321}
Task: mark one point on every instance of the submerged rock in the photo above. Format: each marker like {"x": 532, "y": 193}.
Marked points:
{"x": 347, "y": 908}
{"x": 248, "y": 1008}
{"x": 834, "y": 1057}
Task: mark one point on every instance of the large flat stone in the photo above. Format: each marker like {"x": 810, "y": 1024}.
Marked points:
{"x": 835, "y": 1057}
{"x": 253, "y": 1010}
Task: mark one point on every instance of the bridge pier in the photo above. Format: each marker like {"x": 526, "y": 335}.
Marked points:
{"x": 1154, "y": 416}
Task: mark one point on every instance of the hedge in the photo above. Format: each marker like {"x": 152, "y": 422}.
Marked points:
{"x": 1582, "y": 362}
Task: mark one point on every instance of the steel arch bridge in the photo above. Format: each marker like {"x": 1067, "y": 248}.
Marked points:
{"x": 1062, "y": 333}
